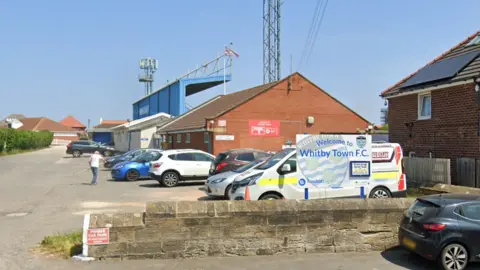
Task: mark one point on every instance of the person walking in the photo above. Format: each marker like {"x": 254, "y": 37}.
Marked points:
{"x": 94, "y": 163}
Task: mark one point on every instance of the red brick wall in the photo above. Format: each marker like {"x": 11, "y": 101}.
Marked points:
{"x": 196, "y": 142}
{"x": 67, "y": 138}
{"x": 450, "y": 133}
{"x": 291, "y": 108}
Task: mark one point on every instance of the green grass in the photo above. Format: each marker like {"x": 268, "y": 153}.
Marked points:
{"x": 63, "y": 245}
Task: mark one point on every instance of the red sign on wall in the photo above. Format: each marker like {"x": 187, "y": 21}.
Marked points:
{"x": 264, "y": 128}
{"x": 100, "y": 236}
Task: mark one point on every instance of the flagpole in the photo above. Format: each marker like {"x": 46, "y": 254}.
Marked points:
{"x": 224, "y": 75}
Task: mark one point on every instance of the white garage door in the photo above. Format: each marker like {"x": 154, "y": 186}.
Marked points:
{"x": 134, "y": 140}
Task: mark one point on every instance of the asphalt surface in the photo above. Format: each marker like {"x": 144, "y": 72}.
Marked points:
{"x": 47, "y": 192}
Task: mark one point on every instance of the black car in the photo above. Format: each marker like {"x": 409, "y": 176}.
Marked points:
{"x": 78, "y": 148}
{"x": 235, "y": 158}
{"x": 444, "y": 227}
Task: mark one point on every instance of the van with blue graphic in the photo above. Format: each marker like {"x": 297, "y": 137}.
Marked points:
{"x": 327, "y": 166}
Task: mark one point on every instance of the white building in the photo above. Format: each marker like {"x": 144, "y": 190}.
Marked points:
{"x": 139, "y": 133}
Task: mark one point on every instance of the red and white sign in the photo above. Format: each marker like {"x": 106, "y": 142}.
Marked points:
{"x": 264, "y": 128}
{"x": 222, "y": 123}
{"x": 100, "y": 236}
{"x": 380, "y": 156}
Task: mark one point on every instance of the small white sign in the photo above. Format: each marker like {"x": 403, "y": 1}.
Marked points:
{"x": 144, "y": 139}
{"x": 222, "y": 123}
{"x": 224, "y": 137}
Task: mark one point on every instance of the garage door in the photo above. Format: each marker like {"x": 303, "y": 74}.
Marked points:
{"x": 102, "y": 137}
{"x": 134, "y": 140}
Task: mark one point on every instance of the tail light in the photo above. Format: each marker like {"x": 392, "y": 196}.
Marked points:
{"x": 434, "y": 227}
{"x": 221, "y": 166}
{"x": 69, "y": 145}
{"x": 157, "y": 165}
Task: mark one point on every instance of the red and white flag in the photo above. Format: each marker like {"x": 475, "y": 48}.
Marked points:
{"x": 231, "y": 52}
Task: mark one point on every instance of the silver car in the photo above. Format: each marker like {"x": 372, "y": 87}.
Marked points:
{"x": 219, "y": 185}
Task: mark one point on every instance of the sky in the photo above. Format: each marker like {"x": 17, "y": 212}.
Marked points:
{"x": 81, "y": 58}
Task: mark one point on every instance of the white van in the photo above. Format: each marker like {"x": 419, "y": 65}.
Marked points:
{"x": 282, "y": 176}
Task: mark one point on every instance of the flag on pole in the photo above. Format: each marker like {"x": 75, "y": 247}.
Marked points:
{"x": 230, "y": 52}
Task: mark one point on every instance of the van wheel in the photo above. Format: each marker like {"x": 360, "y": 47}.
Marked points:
{"x": 380, "y": 193}
{"x": 271, "y": 197}
{"x": 454, "y": 257}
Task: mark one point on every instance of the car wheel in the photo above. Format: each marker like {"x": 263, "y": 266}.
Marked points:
{"x": 132, "y": 175}
{"x": 169, "y": 179}
{"x": 76, "y": 153}
{"x": 107, "y": 153}
{"x": 454, "y": 257}
{"x": 271, "y": 197}
{"x": 380, "y": 193}
{"x": 227, "y": 192}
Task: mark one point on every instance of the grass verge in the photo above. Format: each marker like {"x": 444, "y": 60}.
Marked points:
{"x": 62, "y": 245}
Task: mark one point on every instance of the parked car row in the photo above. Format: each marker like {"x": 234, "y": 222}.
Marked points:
{"x": 77, "y": 148}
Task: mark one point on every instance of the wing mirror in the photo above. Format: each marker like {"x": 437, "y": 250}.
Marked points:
{"x": 286, "y": 168}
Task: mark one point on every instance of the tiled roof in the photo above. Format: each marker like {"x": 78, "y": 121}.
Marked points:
{"x": 43, "y": 123}
{"x": 15, "y": 116}
{"x": 70, "y": 121}
{"x": 196, "y": 117}
{"x": 470, "y": 71}
{"x": 110, "y": 123}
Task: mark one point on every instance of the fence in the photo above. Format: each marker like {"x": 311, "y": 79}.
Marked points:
{"x": 427, "y": 171}
{"x": 468, "y": 172}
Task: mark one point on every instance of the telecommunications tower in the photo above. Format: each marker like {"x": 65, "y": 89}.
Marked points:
{"x": 149, "y": 65}
{"x": 271, "y": 40}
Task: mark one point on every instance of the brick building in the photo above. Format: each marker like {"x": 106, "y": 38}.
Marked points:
{"x": 61, "y": 134}
{"x": 263, "y": 117}
{"x": 70, "y": 121}
{"x": 434, "y": 111}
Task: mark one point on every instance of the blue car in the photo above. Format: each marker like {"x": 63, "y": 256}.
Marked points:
{"x": 136, "y": 168}
{"x": 112, "y": 161}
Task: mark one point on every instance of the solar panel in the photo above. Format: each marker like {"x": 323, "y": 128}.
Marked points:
{"x": 443, "y": 69}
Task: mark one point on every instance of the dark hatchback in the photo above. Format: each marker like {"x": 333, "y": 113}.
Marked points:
{"x": 234, "y": 159}
{"x": 445, "y": 228}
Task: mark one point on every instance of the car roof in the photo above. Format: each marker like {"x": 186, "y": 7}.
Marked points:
{"x": 239, "y": 150}
{"x": 176, "y": 151}
{"x": 450, "y": 198}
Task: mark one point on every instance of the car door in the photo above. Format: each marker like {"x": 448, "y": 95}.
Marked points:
{"x": 145, "y": 165}
{"x": 468, "y": 216}
{"x": 288, "y": 181}
{"x": 186, "y": 163}
{"x": 202, "y": 164}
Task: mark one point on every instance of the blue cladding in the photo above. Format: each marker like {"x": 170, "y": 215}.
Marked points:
{"x": 102, "y": 137}
{"x": 171, "y": 99}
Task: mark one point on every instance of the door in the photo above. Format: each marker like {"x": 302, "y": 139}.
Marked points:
{"x": 290, "y": 185}
{"x": 469, "y": 224}
{"x": 145, "y": 165}
{"x": 185, "y": 162}
{"x": 202, "y": 164}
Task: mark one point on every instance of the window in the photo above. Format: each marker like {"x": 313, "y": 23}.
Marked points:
{"x": 293, "y": 163}
{"x": 424, "y": 106}
{"x": 474, "y": 41}
{"x": 187, "y": 139}
{"x": 170, "y": 139}
{"x": 206, "y": 137}
{"x": 185, "y": 157}
{"x": 471, "y": 211}
{"x": 202, "y": 157}
{"x": 179, "y": 138}
{"x": 246, "y": 157}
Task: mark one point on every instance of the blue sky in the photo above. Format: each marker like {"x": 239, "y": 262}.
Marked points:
{"x": 81, "y": 57}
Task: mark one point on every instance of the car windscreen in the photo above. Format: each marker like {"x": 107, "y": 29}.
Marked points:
{"x": 275, "y": 159}
{"x": 248, "y": 166}
{"x": 220, "y": 157}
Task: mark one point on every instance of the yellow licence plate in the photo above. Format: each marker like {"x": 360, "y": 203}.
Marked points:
{"x": 409, "y": 243}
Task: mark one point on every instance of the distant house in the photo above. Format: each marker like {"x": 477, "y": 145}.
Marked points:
{"x": 70, "y": 121}
{"x": 61, "y": 134}
{"x": 12, "y": 121}
{"x": 434, "y": 112}
{"x": 139, "y": 133}
{"x": 103, "y": 132}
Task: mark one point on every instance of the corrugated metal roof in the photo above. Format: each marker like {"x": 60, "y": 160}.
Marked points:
{"x": 470, "y": 71}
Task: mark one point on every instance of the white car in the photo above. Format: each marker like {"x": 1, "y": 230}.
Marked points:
{"x": 180, "y": 165}
{"x": 219, "y": 185}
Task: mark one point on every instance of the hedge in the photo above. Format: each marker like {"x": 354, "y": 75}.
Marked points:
{"x": 24, "y": 140}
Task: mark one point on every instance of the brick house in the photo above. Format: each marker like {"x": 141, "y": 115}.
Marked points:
{"x": 72, "y": 122}
{"x": 287, "y": 107}
{"x": 434, "y": 111}
{"x": 61, "y": 134}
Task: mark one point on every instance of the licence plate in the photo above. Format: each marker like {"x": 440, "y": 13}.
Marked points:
{"x": 409, "y": 243}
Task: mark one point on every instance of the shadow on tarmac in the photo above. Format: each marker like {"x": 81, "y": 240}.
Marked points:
{"x": 413, "y": 261}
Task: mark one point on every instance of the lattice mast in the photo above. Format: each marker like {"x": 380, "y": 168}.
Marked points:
{"x": 271, "y": 40}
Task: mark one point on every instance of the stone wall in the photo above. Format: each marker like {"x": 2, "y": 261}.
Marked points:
{"x": 239, "y": 228}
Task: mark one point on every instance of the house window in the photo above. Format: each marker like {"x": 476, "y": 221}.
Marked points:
{"x": 206, "y": 138}
{"x": 179, "y": 138}
{"x": 170, "y": 139}
{"x": 474, "y": 41}
{"x": 424, "y": 106}
{"x": 187, "y": 139}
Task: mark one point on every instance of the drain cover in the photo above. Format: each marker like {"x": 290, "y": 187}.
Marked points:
{"x": 16, "y": 214}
